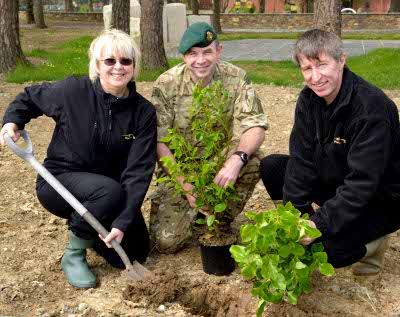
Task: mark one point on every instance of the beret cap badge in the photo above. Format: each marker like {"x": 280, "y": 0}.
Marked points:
{"x": 209, "y": 36}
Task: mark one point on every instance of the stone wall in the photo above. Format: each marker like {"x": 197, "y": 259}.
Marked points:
{"x": 277, "y": 21}
{"x": 287, "y": 21}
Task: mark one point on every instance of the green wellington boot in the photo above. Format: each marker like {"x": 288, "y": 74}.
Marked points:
{"x": 74, "y": 263}
{"x": 372, "y": 262}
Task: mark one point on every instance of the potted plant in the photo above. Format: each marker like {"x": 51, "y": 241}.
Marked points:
{"x": 271, "y": 256}
{"x": 199, "y": 154}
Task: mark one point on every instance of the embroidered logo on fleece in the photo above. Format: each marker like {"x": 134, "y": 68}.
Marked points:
{"x": 129, "y": 136}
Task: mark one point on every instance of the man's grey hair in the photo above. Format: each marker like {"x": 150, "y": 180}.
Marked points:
{"x": 109, "y": 44}
{"x": 315, "y": 42}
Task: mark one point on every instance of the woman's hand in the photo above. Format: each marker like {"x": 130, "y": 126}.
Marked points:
{"x": 114, "y": 234}
{"x": 11, "y": 129}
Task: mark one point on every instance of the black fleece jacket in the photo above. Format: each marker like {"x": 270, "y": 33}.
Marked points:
{"x": 354, "y": 155}
{"x": 95, "y": 132}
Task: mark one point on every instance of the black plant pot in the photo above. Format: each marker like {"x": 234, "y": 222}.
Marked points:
{"x": 217, "y": 260}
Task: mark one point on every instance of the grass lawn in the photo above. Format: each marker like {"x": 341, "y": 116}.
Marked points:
{"x": 381, "y": 67}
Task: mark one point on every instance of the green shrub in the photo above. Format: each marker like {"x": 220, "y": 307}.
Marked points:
{"x": 272, "y": 257}
{"x": 200, "y": 158}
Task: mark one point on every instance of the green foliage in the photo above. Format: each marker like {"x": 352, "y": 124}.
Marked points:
{"x": 201, "y": 152}
{"x": 272, "y": 257}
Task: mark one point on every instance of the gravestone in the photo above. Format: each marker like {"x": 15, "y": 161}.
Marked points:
{"x": 198, "y": 18}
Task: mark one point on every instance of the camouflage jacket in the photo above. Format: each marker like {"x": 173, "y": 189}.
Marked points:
{"x": 172, "y": 98}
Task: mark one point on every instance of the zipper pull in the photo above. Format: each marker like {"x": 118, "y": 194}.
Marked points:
{"x": 110, "y": 119}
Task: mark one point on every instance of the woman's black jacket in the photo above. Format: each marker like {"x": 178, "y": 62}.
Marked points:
{"x": 350, "y": 161}
{"x": 95, "y": 132}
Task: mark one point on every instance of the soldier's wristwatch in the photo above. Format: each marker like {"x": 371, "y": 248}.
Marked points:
{"x": 243, "y": 156}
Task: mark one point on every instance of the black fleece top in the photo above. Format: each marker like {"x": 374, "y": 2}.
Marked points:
{"x": 95, "y": 132}
{"x": 352, "y": 151}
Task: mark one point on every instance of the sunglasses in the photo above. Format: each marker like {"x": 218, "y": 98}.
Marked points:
{"x": 113, "y": 61}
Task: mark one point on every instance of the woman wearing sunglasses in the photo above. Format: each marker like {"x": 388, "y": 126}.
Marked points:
{"x": 102, "y": 151}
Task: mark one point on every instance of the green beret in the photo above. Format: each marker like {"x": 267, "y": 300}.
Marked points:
{"x": 199, "y": 34}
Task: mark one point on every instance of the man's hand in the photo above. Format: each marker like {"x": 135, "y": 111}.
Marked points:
{"x": 229, "y": 172}
{"x": 306, "y": 240}
{"x": 188, "y": 194}
{"x": 11, "y": 129}
{"x": 114, "y": 234}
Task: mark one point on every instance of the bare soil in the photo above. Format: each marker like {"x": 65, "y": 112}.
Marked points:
{"x": 32, "y": 242}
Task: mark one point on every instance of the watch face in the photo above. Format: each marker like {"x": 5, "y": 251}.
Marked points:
{"x": 243, "y": 156}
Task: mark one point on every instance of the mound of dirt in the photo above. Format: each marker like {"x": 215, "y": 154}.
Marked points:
{"x": 201, "y": 296}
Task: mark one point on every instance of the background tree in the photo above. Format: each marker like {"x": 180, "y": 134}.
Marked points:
{"x": 68, "y": 6}
{"x": 120, "y": 15}
{"x": 38, "y": 13}
{"x": 394, "y": 6}
{"x": 30, "y": 18}
{"x": 327, "y": 15}
{"x": 217, "y": 16}
{"x": 90, "y": 4}
{"x": 10, "y": 46}
{"x": 195, "y": 7}
{"x": 151, "y": 30}
{"x": 262, "y": 6}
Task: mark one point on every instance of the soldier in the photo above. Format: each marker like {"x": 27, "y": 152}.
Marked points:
{"x": 172, "y": 217}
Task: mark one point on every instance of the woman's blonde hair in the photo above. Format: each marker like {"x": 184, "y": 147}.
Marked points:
{"x": 111, "y": 43}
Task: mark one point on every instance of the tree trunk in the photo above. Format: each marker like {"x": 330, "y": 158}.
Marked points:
{"x": 195, "y": 7}
{"x": 327, "y": 15}
{"x": 90, "y": 4}
{"x": 216, "y": 16}
{"x": 151, "y": 28}
{"x": 120, "y": 15}
{"x": 38, "y": 13}
{"x": 10, "y": 46}
{"x": 394, "y": 6}
{"x": 68, "y": 6}
{"x": 262, "y": 6}
{"x": 30, "y": 18}
{"x": 302, "y": 5}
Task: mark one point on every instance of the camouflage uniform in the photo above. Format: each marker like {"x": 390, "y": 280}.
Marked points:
{"x": 171, "y": 217}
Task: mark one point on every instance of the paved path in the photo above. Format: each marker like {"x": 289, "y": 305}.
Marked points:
{"x": 277, "y": 50}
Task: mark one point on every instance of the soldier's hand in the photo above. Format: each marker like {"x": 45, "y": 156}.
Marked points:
{"x": 229, "y": 172}
{"x": 189, "y": 196}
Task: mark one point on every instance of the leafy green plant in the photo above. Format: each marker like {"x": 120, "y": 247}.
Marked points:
{"x": 273, "y": 258}
{"x": 200, "y": 152}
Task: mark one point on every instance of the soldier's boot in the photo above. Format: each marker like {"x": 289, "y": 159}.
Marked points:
{"x": 372, "y": 262}
{"x": 74, "y": 264}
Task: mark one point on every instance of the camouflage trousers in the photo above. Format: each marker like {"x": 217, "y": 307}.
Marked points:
{"x": 171, "y": 217}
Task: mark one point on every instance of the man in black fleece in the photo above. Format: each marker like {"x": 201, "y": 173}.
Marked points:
{"x": 344, "y": 157}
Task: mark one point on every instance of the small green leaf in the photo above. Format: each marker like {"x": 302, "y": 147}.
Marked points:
{"x": 248, "y": 232}
{"x": 238, "y": 253}
{"x": 210, "y": 220}
{"x": 284, "y": 251}
{"x": 300, "y": 265}
{"x": 220, "y": 207}
{"x": 200, "y": 221}
{"x": 249, "y": 271}
{"x": 326, "y": 269}
{"x": 292, "y": 297}
{"x": 261, "y": 308}
{"x": 279, "y": 282}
